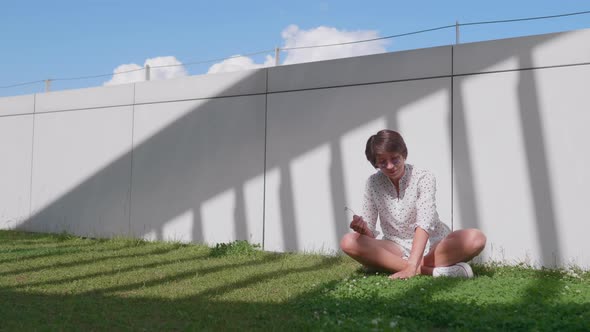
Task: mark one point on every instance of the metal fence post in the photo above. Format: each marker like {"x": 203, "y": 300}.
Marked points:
{"x": 277, "y": 56}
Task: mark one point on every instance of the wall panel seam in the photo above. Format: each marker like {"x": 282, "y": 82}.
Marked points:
{"x": 361, "y": 84}
{"x": 523, "y": 69}
{"x": 452, "y": 110}
{"x": 32, "y": 159}
{"x": 264, "y": 167}
{"x": 202, "y": 98}
{"x": 131, "y": 150}
{"x": 83, "y": 109}
{"x": 13, "y": 115}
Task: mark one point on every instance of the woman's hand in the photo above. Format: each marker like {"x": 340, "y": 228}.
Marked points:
{"x": 410, "y": 271}
{"x": 359, "y": 225}
{"x": 414, "y": 261}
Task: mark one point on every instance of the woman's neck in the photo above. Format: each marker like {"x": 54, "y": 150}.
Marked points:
{"x": 395, "y": 182}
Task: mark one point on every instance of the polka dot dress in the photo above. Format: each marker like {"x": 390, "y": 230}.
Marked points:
{"x": 400, "y": 215}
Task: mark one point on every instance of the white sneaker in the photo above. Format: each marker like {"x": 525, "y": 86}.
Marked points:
{"x": 459, "y": 270}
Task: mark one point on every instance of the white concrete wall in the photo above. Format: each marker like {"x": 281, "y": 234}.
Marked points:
{"x": 273, "y": 155}
{"x": 520, "y": 111}
{"x": 16, "y": 142}
{"x": 319, "y": 118}
{"x": 198, "y": 163}
{"x": 81, "y": 172}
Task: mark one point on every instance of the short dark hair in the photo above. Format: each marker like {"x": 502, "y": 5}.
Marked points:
{"x": 385, "y": 141}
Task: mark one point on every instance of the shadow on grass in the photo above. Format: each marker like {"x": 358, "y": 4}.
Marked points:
{"x": 53, "y": 245}
{"x": 199, "y": 273}
{"x": 99, "y": 310}
{"x": 78, "y": 263}
{"x": 49, "y": 250}
{"x": 155, "y": 266}
{"x": 326, "y": 263}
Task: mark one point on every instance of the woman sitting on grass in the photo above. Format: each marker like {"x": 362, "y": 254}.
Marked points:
{"x": 415, "y": 241}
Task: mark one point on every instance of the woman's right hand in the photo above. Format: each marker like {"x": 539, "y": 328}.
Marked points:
{"x": 359, "y": 225}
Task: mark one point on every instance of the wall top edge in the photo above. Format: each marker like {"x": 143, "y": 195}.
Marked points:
{"x": 364, "y": 57}
{"x": 245, "y": 82}
{"x": 96, "y": 97}
{"x": 16, "y": 105}
{"x": 538, "y": 51}
{"x": 375, "y": 68}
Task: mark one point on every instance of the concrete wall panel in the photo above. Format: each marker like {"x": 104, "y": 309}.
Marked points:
{"x": 198, "y": 170}
{"x": 244, "y": 82}
{"x": 17, "y": 105}
{"x": 564, "y": 114}
{"x": 16, "y": 139}
{"x": 555, "y": 49}
{"x": 313, "y": 171}
{"x": 414, "y": 64}
{"x": 81, "y": 172}
{"x": 107, "y": 96}
{"x": 518, "y": 168}
{"x": 492, "y": 187}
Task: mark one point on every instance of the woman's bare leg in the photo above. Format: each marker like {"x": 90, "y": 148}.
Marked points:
{"x": 459, "y": 246}
{"x": 379, "y": 254}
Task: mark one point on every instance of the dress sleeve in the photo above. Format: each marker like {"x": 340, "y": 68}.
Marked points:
{"x": 426, "y": 214}
{"x": 369, "y": 211}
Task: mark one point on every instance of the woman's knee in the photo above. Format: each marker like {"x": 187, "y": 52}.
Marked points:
{"x": 349, "y": 242}
{"x": 477, "y": 240}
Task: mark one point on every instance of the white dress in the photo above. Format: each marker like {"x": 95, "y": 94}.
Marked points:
{"x": 399, "y": 216}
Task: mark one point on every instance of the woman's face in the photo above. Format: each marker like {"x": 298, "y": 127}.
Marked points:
{"x": 391, "y": 164}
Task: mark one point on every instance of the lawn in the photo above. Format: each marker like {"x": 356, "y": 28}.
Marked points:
{"x": 62, "y": 282}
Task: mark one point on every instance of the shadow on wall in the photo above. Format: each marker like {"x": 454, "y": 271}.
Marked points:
{"x": 208, "y": 148}
{"x": 538, "y": 169}
{"x": 309, "y": 153}
{"x": 535, "y": 160}
{"x": 212, "y": 154}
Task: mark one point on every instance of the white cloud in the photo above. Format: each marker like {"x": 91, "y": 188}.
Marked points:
{"x": 132, "y": 72}
{"x": 239, "y": 63}
{"x": 293, "y": 36}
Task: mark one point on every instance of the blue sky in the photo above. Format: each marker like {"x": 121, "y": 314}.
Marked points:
{"x": 66, "y": 39}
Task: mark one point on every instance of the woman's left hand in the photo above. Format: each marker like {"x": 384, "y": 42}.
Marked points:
{"x": 408, "y": 272}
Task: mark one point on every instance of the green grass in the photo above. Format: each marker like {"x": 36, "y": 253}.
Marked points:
{"x": 62, "y": 282}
